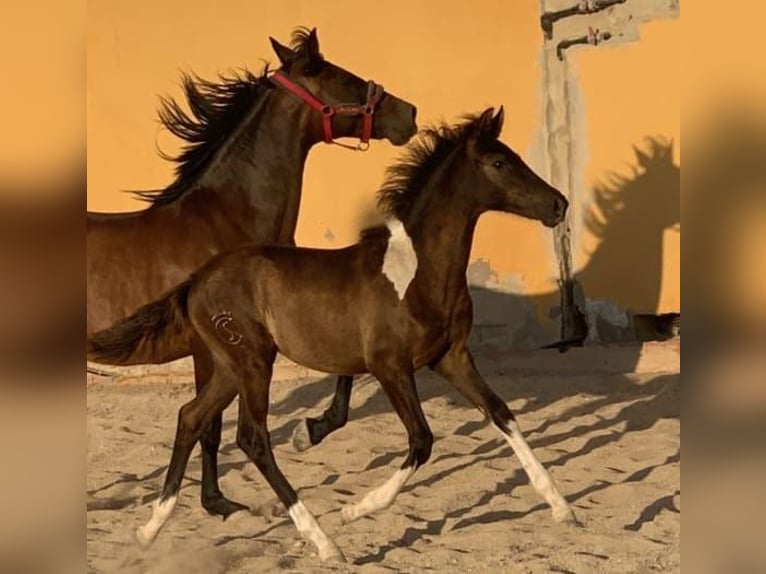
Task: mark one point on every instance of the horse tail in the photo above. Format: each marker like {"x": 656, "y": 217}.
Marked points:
{"x": 157, "y": 333}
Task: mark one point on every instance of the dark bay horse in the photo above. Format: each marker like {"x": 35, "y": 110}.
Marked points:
{"x": 238, "y": 182}
{"x": 396, "y": 301}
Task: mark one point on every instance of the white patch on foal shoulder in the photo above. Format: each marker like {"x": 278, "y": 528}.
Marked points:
{"x": 400, "y": 261}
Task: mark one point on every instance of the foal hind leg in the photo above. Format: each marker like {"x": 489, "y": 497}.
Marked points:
{"x": 254, "y": 370}
{"x": 401, "y": 390}
{"x": 313, "y": 431}
{"x": 458, "y": 368}
{"x": 213, "y": 501}
{"x": 193, "y": 417}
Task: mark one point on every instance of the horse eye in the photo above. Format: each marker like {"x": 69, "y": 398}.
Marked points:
{"x": 498, "y": 163}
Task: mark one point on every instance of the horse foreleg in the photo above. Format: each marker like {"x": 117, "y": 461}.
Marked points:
{"x": 311, "y": 431}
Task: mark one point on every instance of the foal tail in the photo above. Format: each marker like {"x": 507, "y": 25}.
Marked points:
{"x": 157, "y": 333}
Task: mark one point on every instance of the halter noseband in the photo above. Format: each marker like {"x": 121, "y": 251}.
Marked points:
{"x": 374, "y": 95}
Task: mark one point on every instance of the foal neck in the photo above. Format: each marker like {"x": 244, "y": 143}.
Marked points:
{"x": 442, "y": 226}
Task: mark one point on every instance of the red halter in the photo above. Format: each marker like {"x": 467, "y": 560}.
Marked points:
{"x": 374, "y": 95}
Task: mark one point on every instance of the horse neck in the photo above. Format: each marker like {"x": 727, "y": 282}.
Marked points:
{"x": 255, "y": 181}
{"x": 442, "y": 227}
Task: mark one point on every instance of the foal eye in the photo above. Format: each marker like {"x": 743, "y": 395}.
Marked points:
{"x": 498, "y": 163}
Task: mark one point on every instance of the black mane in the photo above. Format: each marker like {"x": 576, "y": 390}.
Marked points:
{"x": 216, "y": 109}
{"x": 405, "y": 179}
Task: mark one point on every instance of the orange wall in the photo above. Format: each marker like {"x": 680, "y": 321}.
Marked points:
{"x": 632, "y": 91}
{"x": 440, "y": 55}
{"x": 42, "y": 91}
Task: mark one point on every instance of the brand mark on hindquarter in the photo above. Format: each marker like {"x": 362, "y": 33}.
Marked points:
{"x": 222, "y": 322}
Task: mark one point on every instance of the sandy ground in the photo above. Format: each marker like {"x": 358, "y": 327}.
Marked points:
{"x": 604, "y": 420}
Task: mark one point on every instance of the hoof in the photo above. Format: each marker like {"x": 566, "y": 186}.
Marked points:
{"x": 331, "y": 553}
{"x": 223, "y": 507}
{"x": 565, "y": 515}
{"x": 349, "y": 514}
{"x": 143, "y": 540}
{"x": 301, "y": 438}
{"x": 271, "y": 509}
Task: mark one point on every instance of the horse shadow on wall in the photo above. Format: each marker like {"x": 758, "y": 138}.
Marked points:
{"x": 622, "y": 280}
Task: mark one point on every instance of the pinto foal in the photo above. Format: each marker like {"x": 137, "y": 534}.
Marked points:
{"x": 394, "y": 302}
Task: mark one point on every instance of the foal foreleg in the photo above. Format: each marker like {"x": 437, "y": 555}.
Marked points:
{"x": 402, "y": 392}
{"x": 310, "y": 432}
{"x": 458, "y": 368}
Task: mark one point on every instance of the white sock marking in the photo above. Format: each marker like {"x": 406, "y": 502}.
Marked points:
{"x": 379, "y": 498}
{"x": 161, "y": 511}
{"x": 539, "y": 477}
{"x": 309, "y": 528}
{"x": 400, "y": 261}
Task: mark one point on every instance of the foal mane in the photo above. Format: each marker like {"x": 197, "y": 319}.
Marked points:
{"x": 216, "y": 109}
{"x": 405, "y": 179}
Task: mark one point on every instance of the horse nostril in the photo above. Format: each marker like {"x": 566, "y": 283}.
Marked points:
{"x": 414, "y": 114}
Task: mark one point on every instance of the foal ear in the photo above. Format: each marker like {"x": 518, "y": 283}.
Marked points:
{"x": 490, "y": 125}
{"x": 485, "y": 120}
{"x": 497, "y": 123}
{"x": 285, "y": 54}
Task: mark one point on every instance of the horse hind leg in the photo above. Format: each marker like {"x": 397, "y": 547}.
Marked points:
{"x": 193, "y": 418}
{"x": 311, "y": 431}
{"x": 213, "y": 501}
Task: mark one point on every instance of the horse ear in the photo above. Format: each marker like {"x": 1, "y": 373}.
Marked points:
{"x": 285, "y": 54}
{"x": 312, "y": 45}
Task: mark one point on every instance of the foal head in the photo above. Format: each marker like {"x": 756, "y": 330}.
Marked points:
{"x": 505, "y": 182}
{"x": 304, "y": 64}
